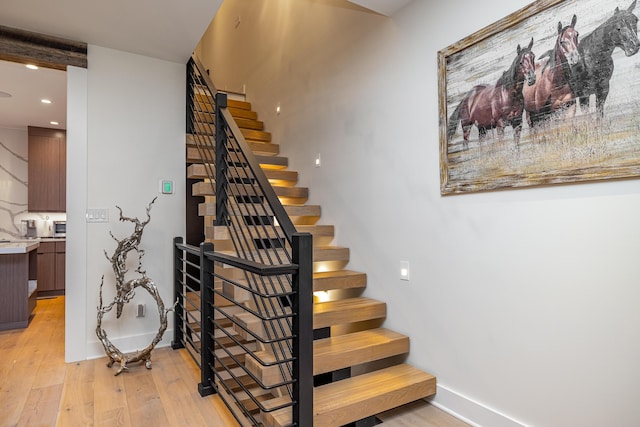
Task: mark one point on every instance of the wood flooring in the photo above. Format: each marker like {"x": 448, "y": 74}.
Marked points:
{"x": 37, "y": 388}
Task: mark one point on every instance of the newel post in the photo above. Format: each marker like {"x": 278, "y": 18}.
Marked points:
{"x": 302, "y": 246}
{"x": 221, "y": 161}
{"x": 178, "y": 280}
{"x": 207, "y": 365}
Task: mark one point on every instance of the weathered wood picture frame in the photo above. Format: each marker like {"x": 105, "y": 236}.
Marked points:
{"x": 549, "y": 94}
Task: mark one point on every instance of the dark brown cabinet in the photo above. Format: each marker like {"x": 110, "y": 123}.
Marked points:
{"x": 47, "y": 170}
{"x": 17, "y": 287}
{"x": 51, "y": 272}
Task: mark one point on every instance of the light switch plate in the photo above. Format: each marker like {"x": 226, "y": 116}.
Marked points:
{"x": 97, "y": 215}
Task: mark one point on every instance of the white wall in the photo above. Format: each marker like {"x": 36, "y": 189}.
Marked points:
{"x": 522, "y": 302}
{"x": 135, "y": 136}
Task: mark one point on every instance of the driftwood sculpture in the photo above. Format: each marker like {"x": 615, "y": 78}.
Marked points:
{"x": 125, "y": 291}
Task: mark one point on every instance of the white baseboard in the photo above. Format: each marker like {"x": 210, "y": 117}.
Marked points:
{"x": 470, "y": 411}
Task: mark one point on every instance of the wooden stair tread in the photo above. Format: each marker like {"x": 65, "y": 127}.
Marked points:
{"x": 322, "y": 234}
{"x": 260, "y": 148}
{"x": 204, "y": 188}
{"x": 273, "y": 162}
{"x": 279, "y": 177}
{"x": 270, "y": 231}
{"x": 340, "y": 279}
{"x": 297, "y": 192}
{"x": 245, "y": 123}
{"x": 330, "y": 253}
{"x": 265, "y": 162}
{"x": 264, "y": 148}
{"x": 311, "y": 212}
{"x": 321, "y": 255}
{"x": 256, "y": 135}
{"x": 325, "y": 314}
{"x": 303, "y": 214}
{"x": 342, "y": 351}
{"x": 359, "y": 397}
{"x": 348, "y": 310}
{"x": 237, "y": 104}
{"x": 242, "y": 113}
{"x": 283, "y": 177}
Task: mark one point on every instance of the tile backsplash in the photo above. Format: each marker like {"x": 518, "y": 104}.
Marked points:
{"x": 14, "y": 187}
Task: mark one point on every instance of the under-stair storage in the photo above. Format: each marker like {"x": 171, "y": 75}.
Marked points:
{"x": 267, "y": 306}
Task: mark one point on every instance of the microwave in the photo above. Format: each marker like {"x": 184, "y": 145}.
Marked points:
{"x": 59, "y": 228}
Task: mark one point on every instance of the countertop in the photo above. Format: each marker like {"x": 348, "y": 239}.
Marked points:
{"x": 19, "y": 247}
{"x": 38, "y": 239}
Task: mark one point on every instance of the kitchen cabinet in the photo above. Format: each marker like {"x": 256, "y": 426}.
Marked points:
{"x": 17, "y": 284}
{"x": 51, "y": 272}
{"x": 47, "y": 170}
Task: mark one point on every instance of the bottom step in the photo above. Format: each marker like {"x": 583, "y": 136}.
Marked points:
{"x": 359, "y": 397}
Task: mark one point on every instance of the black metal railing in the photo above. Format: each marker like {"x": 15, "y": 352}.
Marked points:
{"x": 255, "y": 288}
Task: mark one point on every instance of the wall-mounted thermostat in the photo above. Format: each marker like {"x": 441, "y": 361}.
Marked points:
{"x": 166, "y": 186}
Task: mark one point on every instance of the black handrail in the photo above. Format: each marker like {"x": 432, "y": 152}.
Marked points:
{"x": 283, "y": 219}
{"x": 270, "y": 268}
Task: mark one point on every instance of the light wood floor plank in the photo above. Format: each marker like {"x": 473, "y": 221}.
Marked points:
{"x": 38, "y": 388}
{"x": 41, "y": 407}
{"x": 175, "y": 393}
{"x": 76, "y": 405}
{"x": 110, "y": 400}
{"x": 143, "y": 399}
{"x": 419, "y": 413}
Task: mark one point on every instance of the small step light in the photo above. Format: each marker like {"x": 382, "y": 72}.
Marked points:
{"x": 404, "y": 270}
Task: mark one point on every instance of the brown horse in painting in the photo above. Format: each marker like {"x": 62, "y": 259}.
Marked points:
{"x": 496, "y": 106}
{"x": 553, "y": 89}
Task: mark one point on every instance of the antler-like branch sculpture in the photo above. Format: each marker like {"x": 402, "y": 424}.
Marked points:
{"x": 125, "y": 291}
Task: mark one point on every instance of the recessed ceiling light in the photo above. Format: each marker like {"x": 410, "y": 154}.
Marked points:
{"x": 5, "y": 95}
{"x": 32, "y": 67}
{"x": 45, "y": 101}
{"x": 54, "y": 123}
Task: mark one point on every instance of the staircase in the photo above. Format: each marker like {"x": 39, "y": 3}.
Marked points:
{"x": 357, "y": 364}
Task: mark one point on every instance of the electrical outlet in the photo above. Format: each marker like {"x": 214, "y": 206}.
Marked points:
{"x": 404, "y": 270}
{"x": 142, "y": 310}
{"x": 318, "y": 162}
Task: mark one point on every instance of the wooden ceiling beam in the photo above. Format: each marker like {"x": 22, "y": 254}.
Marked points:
{"x": 44, "y": 51}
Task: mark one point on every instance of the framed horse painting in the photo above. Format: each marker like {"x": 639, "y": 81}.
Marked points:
{"x": 547, "y": 95}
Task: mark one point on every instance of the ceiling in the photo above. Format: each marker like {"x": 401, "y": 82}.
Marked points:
{"x": 27, "y": 88}
{"x": 168, "y": 30}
